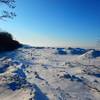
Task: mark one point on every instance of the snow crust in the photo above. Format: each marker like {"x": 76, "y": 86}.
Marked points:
{"x": 45, "y": 73}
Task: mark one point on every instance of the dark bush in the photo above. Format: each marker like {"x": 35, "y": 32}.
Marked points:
{"x": 7, "y": 43}
{"x": 5, "y": 35}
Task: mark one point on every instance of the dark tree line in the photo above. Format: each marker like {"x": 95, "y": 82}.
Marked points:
{"x": 8, "y": 13}
{"x": 7, "y": 43}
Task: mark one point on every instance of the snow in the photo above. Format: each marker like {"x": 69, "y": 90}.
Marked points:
{"x": 46, "y": 73}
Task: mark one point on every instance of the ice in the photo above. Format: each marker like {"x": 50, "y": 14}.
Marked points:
{"x": 46, "y": 73}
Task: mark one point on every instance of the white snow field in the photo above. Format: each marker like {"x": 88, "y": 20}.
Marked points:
{"x": 46, "y": 73}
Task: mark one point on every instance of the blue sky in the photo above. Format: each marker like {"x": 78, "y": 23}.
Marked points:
{"x": 56, "y": 22}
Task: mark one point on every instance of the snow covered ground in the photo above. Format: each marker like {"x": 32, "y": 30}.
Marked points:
{"x": 45, "y": 73}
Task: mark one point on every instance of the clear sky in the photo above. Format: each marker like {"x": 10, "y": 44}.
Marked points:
{"x": 56, "y": 22}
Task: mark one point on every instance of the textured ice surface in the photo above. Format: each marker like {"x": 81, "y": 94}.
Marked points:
{"x": 40, "y": 73}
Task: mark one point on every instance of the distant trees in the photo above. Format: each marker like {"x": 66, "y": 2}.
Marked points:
{"x": 6, "y": 39}
{"x": 8, "y": 13}
{"x": 7, "y": 43}
{"x": 5, "y": 35}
